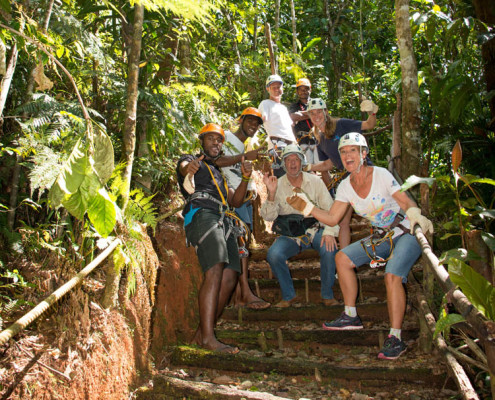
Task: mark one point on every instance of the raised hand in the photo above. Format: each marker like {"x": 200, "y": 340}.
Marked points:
{"x": 271, "y": 183}
{"x": 194, "y": 165}
{"x": 369, "y": 107}
{"x": 254, "y": 154}
{"x": 246, "y": 167}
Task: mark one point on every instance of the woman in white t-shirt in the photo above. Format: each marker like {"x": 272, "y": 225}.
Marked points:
{"x": 374, "y": 194}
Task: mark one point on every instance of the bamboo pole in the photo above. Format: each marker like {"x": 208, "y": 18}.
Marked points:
{"x": 273, "y": 61}
{"x": 36, "y": 312}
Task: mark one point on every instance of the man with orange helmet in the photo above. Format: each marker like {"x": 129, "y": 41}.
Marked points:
{"x": 209, "y": 228}
{"x": 302, "y": 121}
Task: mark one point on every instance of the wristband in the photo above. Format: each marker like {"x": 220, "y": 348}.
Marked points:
{"x": 246, "y": 178}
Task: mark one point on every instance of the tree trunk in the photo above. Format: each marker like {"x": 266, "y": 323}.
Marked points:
{"x": 411, "y": 123}
{"x": 294, "y": 33}
{"x": 166, "y": 65}
{"x": 485, "y": 11}
{"x": 7, "y": 79}
{"x": 255, "y": 24}
{"x": 132, "y": 95}
{"x": 226, "y": 13}
{"x": 277, "y": 19}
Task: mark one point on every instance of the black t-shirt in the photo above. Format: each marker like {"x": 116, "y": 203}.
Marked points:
{"x": 301, "y": 128}
{"x": 203, "y": 183}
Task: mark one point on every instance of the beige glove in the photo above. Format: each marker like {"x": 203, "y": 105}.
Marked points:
{"x": 301, "y": 203}
{"x": 189, "y": 184}
{"x": 369, "y": 107}
{"x": 414, "y": 215}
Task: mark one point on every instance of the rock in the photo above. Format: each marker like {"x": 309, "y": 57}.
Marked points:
{"x": 246, "y": 385}
{"x": 222, "y": 380}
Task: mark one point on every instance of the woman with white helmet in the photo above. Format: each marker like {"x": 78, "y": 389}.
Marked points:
{"x": 328, "y": 130}
{"x": 375, "y": 195}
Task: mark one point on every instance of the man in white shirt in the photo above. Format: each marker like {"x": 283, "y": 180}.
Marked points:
{"x": 296, "y": 232}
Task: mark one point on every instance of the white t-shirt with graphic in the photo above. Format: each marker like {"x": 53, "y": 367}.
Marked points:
{"x": 379, "y": 207}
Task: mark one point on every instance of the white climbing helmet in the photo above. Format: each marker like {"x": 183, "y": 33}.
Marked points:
{"x": 274, "y": 78}
{"x": 293, "y": 149}
{"x": 316, "y": 104}
{"x": 353, "y": 139}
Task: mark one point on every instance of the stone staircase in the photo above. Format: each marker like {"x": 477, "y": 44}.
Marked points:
{"x": 285, "y": 353}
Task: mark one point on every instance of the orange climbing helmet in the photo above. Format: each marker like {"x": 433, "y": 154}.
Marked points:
{"x": 303, "y": 82}
{"x": 251, "y": 111}
{"x": 212, "y": 128}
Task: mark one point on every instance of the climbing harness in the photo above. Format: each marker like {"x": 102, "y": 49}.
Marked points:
{"x": 379, "y": 236}
{"x": 236, "y": 226}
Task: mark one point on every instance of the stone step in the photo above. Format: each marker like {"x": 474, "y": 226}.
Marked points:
{"x": 370, "y": 287}
{"x": 249, "y": 337}
{"x": 412, "y": 370}
{"x": 369, "y": 313}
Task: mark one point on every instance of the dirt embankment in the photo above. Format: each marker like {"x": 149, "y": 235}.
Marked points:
{"x": 78, "y": 350}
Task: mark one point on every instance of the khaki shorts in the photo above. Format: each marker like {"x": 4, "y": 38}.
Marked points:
{"x": 214, "y": 248}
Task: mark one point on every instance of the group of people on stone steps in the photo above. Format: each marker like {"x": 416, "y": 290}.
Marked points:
{"x": 307, "y": 210}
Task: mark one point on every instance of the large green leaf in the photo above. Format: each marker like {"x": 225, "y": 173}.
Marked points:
{"x": 103, "y": 157}
{"x": 476, "y": 288}
{"x": 102, "y": 213}
{"x": 77, "y": 203}
{"x": 71, "y": 176}
{"x": 445, "y": 322}
{"x": 414, "y": 180}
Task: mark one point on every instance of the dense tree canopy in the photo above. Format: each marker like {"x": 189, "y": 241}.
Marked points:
{"x": 202, "y": 61}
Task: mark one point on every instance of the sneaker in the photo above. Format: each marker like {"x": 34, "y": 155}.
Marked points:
{"x": 343, "y": 323}
{"x": 392, "y": 348}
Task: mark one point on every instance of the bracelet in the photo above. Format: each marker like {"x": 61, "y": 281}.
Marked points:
{"x": 246, "y": 178}
{"x": 373, "y": 113}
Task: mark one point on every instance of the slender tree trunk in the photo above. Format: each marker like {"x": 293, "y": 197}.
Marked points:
{"x": 255, "y": 25}
{"x": 226, "y": 13}
{"x": 411, "y": 122}
{"x": 485, "y": 11}
{"x": 334, "y": 85}
{"x": 277, "y": 19}
{"x": 294, "y": 33}
{"x": 7, "y": 79}
{"x": 132, "y": 95}
{"x": 166, "y": 65}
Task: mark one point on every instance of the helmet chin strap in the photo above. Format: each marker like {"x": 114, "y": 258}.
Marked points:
{"x": 361, "y": 162}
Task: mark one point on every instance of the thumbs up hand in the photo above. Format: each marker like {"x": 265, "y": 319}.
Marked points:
{"x": 246, "y": 167}
{"x": 192, "y": 168}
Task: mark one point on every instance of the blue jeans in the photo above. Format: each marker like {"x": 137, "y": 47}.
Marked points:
{"x": 406, "y": 251}
{"x": 284, "y": 247}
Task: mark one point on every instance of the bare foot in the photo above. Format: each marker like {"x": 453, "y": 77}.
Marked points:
{"x": 214, "y": 345}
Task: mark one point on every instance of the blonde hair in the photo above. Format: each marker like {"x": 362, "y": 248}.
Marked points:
{"x": 330, "y": 126}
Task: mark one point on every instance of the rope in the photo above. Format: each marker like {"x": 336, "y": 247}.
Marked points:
{"x": 37, "y": 311}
